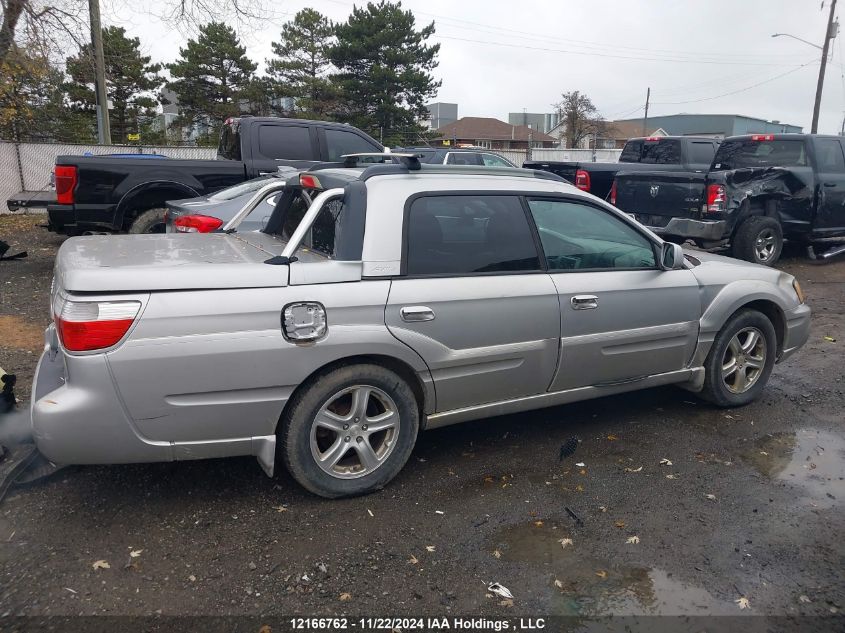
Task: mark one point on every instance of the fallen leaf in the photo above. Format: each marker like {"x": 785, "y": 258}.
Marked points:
{"x": 439, "y": 512}
{"x": 579, "y": 488}
{"x": 101, "y": 564}
{"x": 830, "y": 339}
{"x": 558, "y": 584}
{"x": 265, "y": 628}
{"x": 742, "y": 602}
{"x": 633, "y": 470}
{"x": 565, "y": 541}
{"x": 497, "y": 553}
{"x": 538, "y": 523}
{"x": 413, "y": 560}
{"x": 711, "y": 497}
{"x": 507, "y": 602}
{"x": 601, "y": 573}
{"x": 488, "y": 479}
{"x": 612, "y": 438}
{"x": 192, "y": 578}
{"x": 500, "y": 590}
{"x": 135, "y": 553}
{"x": 764, "y": 453}
{"x": 603, "y": 508}
{"x": 345, "y": 597}
{"x": 671, "y": 476}
{"x": 633, "y": 540}
{"x": 580, "y": 464}
{"x": 620, "y": 524}
{"x": 429, "y": 548}
{"x": 800, "y": 599}
{"x": 284, "y": 509}
{"x": 370, "y": 512}
{"x": 665, "y": 462}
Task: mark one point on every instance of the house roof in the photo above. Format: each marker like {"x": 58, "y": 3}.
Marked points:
{"x": 490, "y": 129}
{"x": 630, "y": 129}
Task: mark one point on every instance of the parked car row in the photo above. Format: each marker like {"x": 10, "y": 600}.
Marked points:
{"x": 380, "y": 300}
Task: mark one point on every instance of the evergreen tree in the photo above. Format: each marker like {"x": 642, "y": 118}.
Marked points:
{"x": 131, "y": 82}
{"x": 384, "y": 69}
{"x": 300, "y": 66}
{"x": 213, "y": 80}
{"x": 32, "y": 102}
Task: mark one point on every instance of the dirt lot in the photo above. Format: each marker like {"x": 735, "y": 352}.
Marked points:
{"x": 752, "y": 506}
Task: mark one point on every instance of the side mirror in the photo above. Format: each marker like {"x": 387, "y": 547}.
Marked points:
{"x": 671, "y": 256}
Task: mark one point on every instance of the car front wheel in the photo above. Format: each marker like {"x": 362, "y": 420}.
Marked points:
{"x": 350, "y": 431}
{"x": 741, "y": 360}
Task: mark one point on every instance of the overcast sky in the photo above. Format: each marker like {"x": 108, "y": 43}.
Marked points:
{"x": 497, "y": 56}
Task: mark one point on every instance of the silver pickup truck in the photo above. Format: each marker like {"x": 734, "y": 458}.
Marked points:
{"x": 380, "y": 302}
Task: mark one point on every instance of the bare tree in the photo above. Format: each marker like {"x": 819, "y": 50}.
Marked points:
{"x": 579, "y": 116}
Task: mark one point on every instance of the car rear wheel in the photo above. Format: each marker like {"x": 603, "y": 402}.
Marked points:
{"x": 151, "y": 221}
{"x": 741, "y": 360}
{"x": 759, "y": 240}
{"x": 350, "y": 431}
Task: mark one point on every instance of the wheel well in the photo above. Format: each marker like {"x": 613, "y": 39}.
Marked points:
{"x": 774, "y": 314}
{"x": 761, "y": 207}
{"x": 151, "y": 198}
{"x": 402, "y": 369}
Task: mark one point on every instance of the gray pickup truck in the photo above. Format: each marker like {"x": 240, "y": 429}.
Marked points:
{"x": 380, "y": 302}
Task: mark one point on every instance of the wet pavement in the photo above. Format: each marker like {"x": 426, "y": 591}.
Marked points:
{"x": 749, "y": 511}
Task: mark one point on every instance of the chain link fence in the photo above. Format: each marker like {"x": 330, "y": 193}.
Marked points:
{"x": 28, "y": 166}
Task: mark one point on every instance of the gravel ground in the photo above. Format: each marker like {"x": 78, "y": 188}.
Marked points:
{"x": 752, "y": 506}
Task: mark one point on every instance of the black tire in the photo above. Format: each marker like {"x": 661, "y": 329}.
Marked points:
{"x": 151, "y": 221}
{"x": 715, "y": 388}
{"x": 295, "y": 431}
{"x": 763, "y": 228}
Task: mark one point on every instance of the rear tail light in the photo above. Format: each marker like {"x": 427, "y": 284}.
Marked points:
{"x": 762, "y": 137}
{"x": 197, "y": 224}
{"x": 716, "y": 199}
{"x": 582, "y": 180}
{"x": 64, "y": 177}
{"x": 613, "y": 193}
{"x": 88, "y": 325}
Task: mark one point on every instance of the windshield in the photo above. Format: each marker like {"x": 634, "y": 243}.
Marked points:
{"x": 230, "y": 193}
{"x": 750, "y": 153}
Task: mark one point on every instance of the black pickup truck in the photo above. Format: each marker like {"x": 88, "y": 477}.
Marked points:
{"x": 760, "y": 189}
{"x": 664, "y": 153}
{"x": 109, "y": 193}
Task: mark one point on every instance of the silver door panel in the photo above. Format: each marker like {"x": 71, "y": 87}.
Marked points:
{"x": 645, "y": 322}
{"x": 492, "y": 337}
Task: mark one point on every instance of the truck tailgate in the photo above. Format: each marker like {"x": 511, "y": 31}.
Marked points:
{"x": 655, "y": 197}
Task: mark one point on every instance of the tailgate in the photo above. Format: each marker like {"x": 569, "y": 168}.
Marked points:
{"x": 655, "y": 197}
{"x": 562, "y": 169}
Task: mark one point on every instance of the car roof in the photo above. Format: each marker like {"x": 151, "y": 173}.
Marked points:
{"x": 342, "y": 176}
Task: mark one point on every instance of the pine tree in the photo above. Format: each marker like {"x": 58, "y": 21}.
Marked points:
{"x": 213, "y": 80}
{"x": 384, "y": 69}
{"x": 300, "y": 66}
{"x": 131, "y": 82}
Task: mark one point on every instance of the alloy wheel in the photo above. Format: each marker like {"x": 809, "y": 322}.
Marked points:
{"x": 765, "y": 245}
{"x": 354, "y": 432}
{"x": 744, "y": 360}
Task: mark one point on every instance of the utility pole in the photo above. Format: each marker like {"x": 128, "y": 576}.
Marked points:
{"x": 829, "y": 33}
{"x": 645, "y": 117}
{"x": 103, "y": 128}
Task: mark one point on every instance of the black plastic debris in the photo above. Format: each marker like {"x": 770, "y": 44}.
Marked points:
{"x": 4, "y": 248}
{"x": 567, "y": 449}
{"x": 7, "y": 395}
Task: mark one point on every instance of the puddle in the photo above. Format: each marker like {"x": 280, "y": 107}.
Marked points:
{"x": 588, "y": 587}
{"x": 809, "y": 458}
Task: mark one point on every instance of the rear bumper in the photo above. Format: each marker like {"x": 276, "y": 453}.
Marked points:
{"x": 797, "y": 330}
{"x": 77, "y": 417}
{"x": 685, "y": 227}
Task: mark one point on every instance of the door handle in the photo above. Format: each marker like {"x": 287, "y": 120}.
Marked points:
{"x": 830, "y": 184}
{"x": 414, "y": 314}
{"x": 584, "y": 302}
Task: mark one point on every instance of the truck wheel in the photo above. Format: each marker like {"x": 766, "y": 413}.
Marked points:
{"x": 741, "y": 360}
{"x": 152, "y": 221}
{"x": 759, "y": 240}
{"x": 350, "y": 431}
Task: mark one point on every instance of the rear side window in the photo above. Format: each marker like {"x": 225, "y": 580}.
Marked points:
{"x": 662, "y": 152}
{"x": 340, "y": 143}
{"x": 829, "y": 155}
{"x": 492, "y": 160}
{"x": 230, "y": 141}
{"x": 288, "y": 142}
{"x": 463, "y": 158}
{"x": 461, "y": 235}
{"x": 748, "y": 153}
{"x": 701, "y": 153}
{"x": 324, "y": 231}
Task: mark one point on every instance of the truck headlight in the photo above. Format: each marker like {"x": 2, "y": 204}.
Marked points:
{"x": 304, "y": 322}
